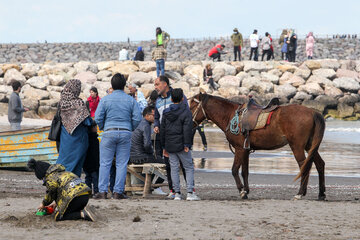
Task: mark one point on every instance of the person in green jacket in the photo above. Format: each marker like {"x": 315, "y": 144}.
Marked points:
{"x": 162, "y": 37}
{"x": 64, "y": 190}
{"x": 237, "y": 40}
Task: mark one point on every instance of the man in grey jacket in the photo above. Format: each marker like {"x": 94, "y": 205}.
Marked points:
{"x": 16, "y": 109}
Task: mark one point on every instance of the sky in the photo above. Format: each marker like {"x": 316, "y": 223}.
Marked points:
{"x": 29, "y": 21}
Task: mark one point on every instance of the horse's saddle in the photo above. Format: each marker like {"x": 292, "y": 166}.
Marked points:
{"x": 250, "y": 115}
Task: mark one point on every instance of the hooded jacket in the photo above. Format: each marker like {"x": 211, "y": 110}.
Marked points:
{"x": 176, "y": 128}
{"x": 62, "y": 187}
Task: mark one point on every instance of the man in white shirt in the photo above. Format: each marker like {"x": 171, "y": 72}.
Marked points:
{"x": 254, "y": 44}
{"x": 123, "y": 54}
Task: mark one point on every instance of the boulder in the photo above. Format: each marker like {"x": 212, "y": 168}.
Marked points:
{"x": 295, "y": 81}
{"x": 242, "y": 75}
{"x": 39, "y": 82}
{"x": 333, "y": 92}
{"x": 55, "y": 95}
{"x": 357, "y": 68}
{"x": 239, "y": 66}
{"x": 176, "y": 67}
{"x": 103, "y": 74}
{"x": 330, "y": 64}
{"x": 195, "y": 71}
{"x": 270, "y": 77}
{"x": 255, "y": 66}
{"x": 7, "y": 66}
{"x": 347, "y": 73}
{"x": 6, "y": 89}
{"x": 50, "y": 102}
{"x": 345, "y": 110}
{"x": 30, "y": 70}
{"x": 173, "y": 75}
{"x": 287, "y": 68}
{"x": 325, "y": 73}
{"x": 314, "y": 105}
{"x": 56, "y": 80}
{"x": 147, "y": 66}
{"x": 47, "y": 112}
{"x": 86, "y": 77}
{"x": 3, "y": 109}
{"x": 301, "y": 96}
{"x": 285, "y": 77}
{"x": 347, "y": 84}
{"x": 125, "y": 68}
{"x": 82, "y": 66}
{"x": 139, "y": 78}
{"x": 254, "y": 84}
{"x": 285, "y": 91}
{"x": 54, "y": 88}
{"x": 183, "y": 85}
{"x": 36, "y": 94}
{"x": 230, "y": 81}
{"x": 229, "y": 69}
{"x": 276, "y": 72}
{"x": 31, "y": 104}
{"x": 312, "y": 88}
{"x": 312, "y": 65}
{"x": 329, "y": 102}
{"x": 228, "y": 92}
{"x": 244, "y": 91}
{"x": 193, "y": 82}
{"x": 13, "y": 74}
{"x": 322, "y": 81}
{"x": 350, "y": 99}
{"x": 303, "y": 73}
{"x": 105, "y": 65}
{"x": 102, "y": 87}
{"x": 357, "y": 107}
{"x": 218, "y": 73}
{"x": 3, "y": 98}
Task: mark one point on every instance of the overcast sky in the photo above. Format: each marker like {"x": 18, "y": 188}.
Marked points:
{"x": 116, "y": 20}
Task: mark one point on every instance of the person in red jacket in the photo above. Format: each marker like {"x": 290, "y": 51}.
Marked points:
{"x": 271, "y": 48}
{"x": 93, "y": 101}
{"x": 215, "y": 52}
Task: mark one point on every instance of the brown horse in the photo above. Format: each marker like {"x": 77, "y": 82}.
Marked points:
{"x": 300, "y": 127}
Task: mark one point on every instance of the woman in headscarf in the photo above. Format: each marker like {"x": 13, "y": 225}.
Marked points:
{"x": 75, "y": 120}
{"x": 139, "y": 56}
{"x": 310, "y": 41}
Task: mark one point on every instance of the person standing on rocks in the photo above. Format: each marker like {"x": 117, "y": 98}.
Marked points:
{"x": 292, "y": 45}
{"x": 254, "y": 44}
{"x": 265, "y": 44}
{"x": 15, "y": 109}
{"x": 159, "y": 55}
{"x": 215, "y": 52}
{"x": 237, "y": 40}
{"x": 282, "y": 42}
{"x": 310, "y": 41}
{"x": 162, "y": 37}
{"x": 271, "y": 48}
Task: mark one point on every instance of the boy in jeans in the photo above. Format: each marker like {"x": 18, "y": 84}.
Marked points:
{"x": 176, "y": 136}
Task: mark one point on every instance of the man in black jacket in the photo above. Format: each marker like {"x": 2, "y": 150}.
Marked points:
{"x": 176, "y": 137}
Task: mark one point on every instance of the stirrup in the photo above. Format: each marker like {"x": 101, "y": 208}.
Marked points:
{"x": 245, "y": 143}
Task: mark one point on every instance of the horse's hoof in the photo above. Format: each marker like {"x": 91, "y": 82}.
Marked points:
{"x": 322, "y": 198}
{"x": 243, "y": 195}
{"x": 297, "y": 197}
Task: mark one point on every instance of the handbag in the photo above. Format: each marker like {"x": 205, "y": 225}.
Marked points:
{"x": 55, "y": 129}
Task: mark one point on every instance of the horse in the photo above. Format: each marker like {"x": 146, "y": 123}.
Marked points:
{"x": 300, "y": 127}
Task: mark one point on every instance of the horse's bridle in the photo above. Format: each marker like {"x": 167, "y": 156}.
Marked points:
{"x": 197, "y": 110}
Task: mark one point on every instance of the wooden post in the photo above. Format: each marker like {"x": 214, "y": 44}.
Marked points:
{"x": 147, "y": 187}
{"x": 128, "y": 183}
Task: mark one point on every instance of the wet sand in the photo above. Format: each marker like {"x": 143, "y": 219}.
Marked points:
{"x": 269, "y": 213}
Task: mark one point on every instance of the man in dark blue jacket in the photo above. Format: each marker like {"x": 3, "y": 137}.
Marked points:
{"x": 176, "y": 137}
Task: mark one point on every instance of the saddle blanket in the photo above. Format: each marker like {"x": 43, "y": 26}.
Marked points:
{"x": 263, "y": 120}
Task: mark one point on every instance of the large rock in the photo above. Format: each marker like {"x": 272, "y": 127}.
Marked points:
{"x": 105, "y": 65}
{"x": 39, "y": 82}
{"x": 350, "y": 99}
{"x": 50, "y": 102}
{"x": 276, "y": 72}
{"x": 333, "y": 92}
{"x": 303, "y": 73}
{"x": 313, "y": 65}
{"x": 218, "y": 73}
{"x": 322, "y": 81}
{"x": 254, "y": 84}
{"x": 239, "y": 66}
{"x": 176, "y": 67}
{"x": 54, "y": 88}
{"x": 104, "y": 74}
{"x": 3, "y": 108}
{"x": 347, "y": 84}
{"x": 330, "y": 64}
{"x": 6, "y": 89}
{"x": 287, "y": 68}
{"x": 139, "y": 78}
{"x": 102, "y": 87}
{"x": 295, "y": 81}
{"x": 326, "y": 73}
{"x": 347, "y": 73}
{"x": 36, "y": 94}
{"x": 228, "y": 92}
{"x": 312, "y": 88}
{"x": 286, "y": 91}
{"x": 55, "y": 95}
{"x": 146, "y": 66}
{"x": 30, "y": 70}
{"x": 173, "y": 75}
{"x": 357, "y": 107}
{"x": 31, "y": 104}
{"x": 56, "y": 80}
{"x": 229, "y": 69}
{"x": 255, "y": 66}
{"x": 345, "y": 110}
{"x": 125, "y": 68}
{"x": 230, "y": 81}
{"x": 47, "y": 112}
{"x": 195, "y": 71}
{"x": 86, "y": 77}
{"x": 82, "y": 66}
{"x": 13, "y": 74}
{"x": 285, "y": 78}
{"x": 301, "y": 96}
{"x": 7, "y": 66}
{"x": 270, "y": 77}
{"x": 329, "y": 102}
{"x": 319, "y": 106}
{"x": 183, "y": 85}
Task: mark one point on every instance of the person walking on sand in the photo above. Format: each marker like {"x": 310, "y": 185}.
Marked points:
{"x": 176, "y": 137}
{"x": 237, "y": 40}
{"x": 162, "y": 37}
{"x": 266, "y": 46}
{"x": 15, "y": 109}
{"x": 310, "y": 41}
{"x": 75, "y": 121}
{"x": 118, "y": 114}
{"x": 254, "y": 44}
{"x": 159, "y": 55}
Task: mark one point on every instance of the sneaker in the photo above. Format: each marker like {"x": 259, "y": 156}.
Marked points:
{"x": 90, "y": 214}
{"x": 99, "y": 195}
{"x": 177, "y": 197}
{"x": 205, "y": 148}
{"x": 158, "y": 191}
{"x": 171, "y": 195}
{"x": 192, "y": 197}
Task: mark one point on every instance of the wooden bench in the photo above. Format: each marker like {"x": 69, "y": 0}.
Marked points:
{"x": 149, "y": 169}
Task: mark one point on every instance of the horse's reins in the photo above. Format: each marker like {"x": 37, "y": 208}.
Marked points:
{"x": 197, "y": 110}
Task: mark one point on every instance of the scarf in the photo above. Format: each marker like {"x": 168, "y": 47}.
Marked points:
{"x": 72, "y": 109}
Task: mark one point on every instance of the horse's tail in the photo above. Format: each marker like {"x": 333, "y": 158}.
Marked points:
{"x": 319, "y": 128}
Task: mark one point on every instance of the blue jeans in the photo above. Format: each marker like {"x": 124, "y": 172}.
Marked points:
{"x": 92, "y": 179}
{"x": 160, "y": 67}
{"x": 114, "y": 143}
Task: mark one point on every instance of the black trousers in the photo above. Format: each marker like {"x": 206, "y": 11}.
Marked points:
{"x": 267, "y": 53}
{"x": 237, "y": 51}
{"x": 211, "y": 83}
{"x": 216, "y": 56}
{"x": 255, "y": 52}
{"x": 201, "y": 131}
{"x": 73, "y": 211}
{"x": 292, "y": 56}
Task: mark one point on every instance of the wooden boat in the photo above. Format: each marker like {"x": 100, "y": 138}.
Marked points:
{"x": 18, "y": 147}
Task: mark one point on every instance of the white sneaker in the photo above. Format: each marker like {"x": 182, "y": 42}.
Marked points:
{"x": 171, "y": 195}
{"x": 177, "y": 197}
{"x": 192, "y": 197}
{"x": 158, "y": 191}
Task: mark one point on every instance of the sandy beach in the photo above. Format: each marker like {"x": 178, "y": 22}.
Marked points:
{"x": 268, "y": 214}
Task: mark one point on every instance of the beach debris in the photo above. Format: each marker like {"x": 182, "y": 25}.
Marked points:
{"x": 137, "y": 219}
